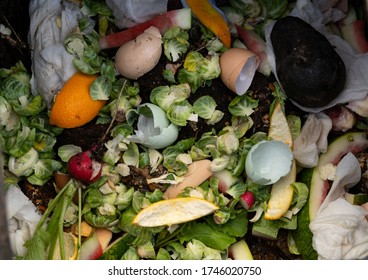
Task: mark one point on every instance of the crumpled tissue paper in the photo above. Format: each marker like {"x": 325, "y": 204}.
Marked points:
{"x": 22, "y": 218}
{"x": 340, "y": 228}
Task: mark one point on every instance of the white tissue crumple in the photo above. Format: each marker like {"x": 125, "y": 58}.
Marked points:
{"x": 340, "y": 228}
{"x": 312, "y": 140}
{"x": 22, "y": 218}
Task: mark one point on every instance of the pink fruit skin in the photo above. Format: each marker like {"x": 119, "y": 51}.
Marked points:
{"x": 223, "y": 187}
{"x": 353, "y": 149}
{"x": 162, "y": 22}
{"x": 354, "y": 33}
{"x": 104, "y": 237}
{"x": 257, "y": 45}
{"x": 91, "y": 249}
{"x": 81, "y": 167}
{"x": 342, "y": 118}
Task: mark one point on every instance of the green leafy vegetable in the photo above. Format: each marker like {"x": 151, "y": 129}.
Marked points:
{"x": 198, "y": 69}
{"x": 100, "y": 88}
{"x": 175, "y": 41}
{"x": 208, "y": 235}
{"x": 180, "y": 112}
{"x": 204, "y": 106}
{"x": 273, "y": 9}
{"x": 48, "y": 231}
{"x": 242, "y": 105}
{"x": 270, "y": 228}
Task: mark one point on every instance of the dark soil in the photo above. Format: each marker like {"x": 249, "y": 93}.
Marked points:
{"x": 14, "y": 13}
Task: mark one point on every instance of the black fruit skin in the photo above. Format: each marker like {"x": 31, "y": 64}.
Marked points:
{"x": 309, "y": 69}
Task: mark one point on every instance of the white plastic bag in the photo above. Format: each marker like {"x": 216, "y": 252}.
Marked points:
{"x": 131, "y": 12}
{"x": 50, "y": 22}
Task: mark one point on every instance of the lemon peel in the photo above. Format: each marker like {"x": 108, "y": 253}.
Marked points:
{"x": 174, "y": 211}
{"x": 282, "y": 191}
{"x": 281, "y": 196}
{"x": 279, "y": 128}
{"x": 70, "y": 247}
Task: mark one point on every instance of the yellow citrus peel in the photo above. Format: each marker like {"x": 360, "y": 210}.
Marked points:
{"x": 174, "y": 211}
{"x": 212, "y": 19}
{"x": 279, "y": 128}
{"x": 70, "y": 247}
{"x": 282, "y": 191}
{"x": 281, "y": 195}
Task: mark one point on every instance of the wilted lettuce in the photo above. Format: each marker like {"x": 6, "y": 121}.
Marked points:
{"x": 165, "y": 96}
{"x": 198, "y": 69}
{"x": 175, "y": 42}
{"x": 9, "y": 119}
{"x": 242, "y": 105}
{"x": 273, "y": 9}
{"x": 205, "y": 106}
{"x": 180, "y": 112}
{"x": 23, "y": 165}
{"x": 28, "y": 138}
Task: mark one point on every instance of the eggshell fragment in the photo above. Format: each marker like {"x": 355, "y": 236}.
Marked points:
{"x": 238, "y": 67}
{"x": 268, "y": 161}
{"x": 139, "y": 56}
{"x": 198, "y": 172}
{"x": 154, "y": 130}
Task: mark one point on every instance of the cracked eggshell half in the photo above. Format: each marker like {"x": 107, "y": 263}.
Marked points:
{"x": 139, "y": 56}
{"x": 268, "y": 161}
{"x": 154, "y": 130}
{"x": 238, "y": 67}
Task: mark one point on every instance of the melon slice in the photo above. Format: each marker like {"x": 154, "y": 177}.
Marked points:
{"x": 181, "y": 18}
{"x": 257, "y": 45}
{"x": 354, "y": 34}
{"x": 240, "y": 251}
{"x": 350, "y": 142}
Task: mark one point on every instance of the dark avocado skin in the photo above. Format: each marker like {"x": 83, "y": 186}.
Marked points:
{"x": 309, "y": 69}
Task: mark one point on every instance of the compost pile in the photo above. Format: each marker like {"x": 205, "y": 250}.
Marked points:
{"x": 14, "y": 49}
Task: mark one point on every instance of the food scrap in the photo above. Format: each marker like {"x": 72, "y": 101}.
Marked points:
{"x": 147, "y": 153}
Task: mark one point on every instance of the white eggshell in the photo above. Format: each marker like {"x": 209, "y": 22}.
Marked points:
{"x": 137, "y": 57}
{"x": 198, "y": 172}
{"x": 154, "y": 130}
{"x": 166, "y": 138}
{"x": 268, "y": 161}
{"x": 238, "y": 67}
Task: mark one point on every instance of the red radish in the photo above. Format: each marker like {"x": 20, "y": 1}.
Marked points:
{"x": 257, "y": 45}
{"x": 180, "y": 17}
{"x": 247, "y": 200}
{"x": 84, "y": 168}
{"x": 91, "y": 249}
{"x": 354, "y": 34}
